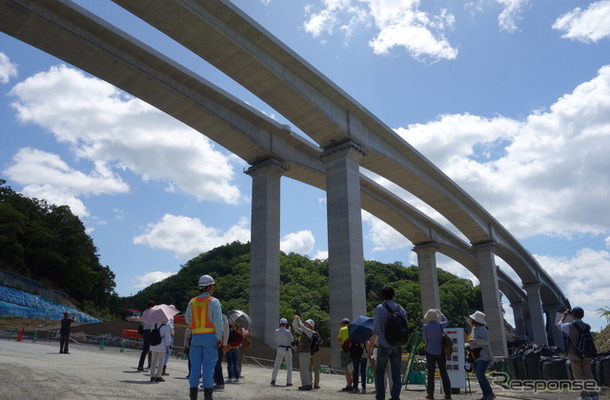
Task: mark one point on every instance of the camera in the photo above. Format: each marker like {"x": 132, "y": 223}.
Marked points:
{"x": 569, "y": 312}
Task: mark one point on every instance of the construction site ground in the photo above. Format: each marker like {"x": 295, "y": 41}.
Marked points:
{"x": 35, "y": 370}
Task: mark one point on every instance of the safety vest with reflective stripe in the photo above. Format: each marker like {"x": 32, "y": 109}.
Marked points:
{"x": 200, "y": 316}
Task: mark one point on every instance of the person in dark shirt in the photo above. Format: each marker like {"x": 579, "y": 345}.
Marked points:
{"x": 64, "y": 333}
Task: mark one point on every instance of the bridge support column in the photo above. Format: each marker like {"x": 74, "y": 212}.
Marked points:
{"x": 534, "y": 303}
{"x": 490, "y": 292}
{"x": 428, "y": 278}
{"x": 556, "y": 336}
{"x": 520, "y": 330}
{"x": 345, "y": 249}
{"x": 264, "y": 308}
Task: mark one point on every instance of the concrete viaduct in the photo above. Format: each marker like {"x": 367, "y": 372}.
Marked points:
{"x": 346, "y": 137}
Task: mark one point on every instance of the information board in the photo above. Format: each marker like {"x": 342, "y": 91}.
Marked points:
{"x": 457, "y": 360}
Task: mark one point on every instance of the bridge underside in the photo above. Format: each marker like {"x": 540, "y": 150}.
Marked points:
{"x": 348, "y": 138}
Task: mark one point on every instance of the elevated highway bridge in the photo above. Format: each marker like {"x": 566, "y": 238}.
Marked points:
{"x": 345, "y": 138}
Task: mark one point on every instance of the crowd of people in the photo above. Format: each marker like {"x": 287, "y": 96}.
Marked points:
{"x": 211, "y": 334}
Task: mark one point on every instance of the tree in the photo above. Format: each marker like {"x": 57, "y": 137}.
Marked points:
{"x": 604, "y": 312}
{"x": 48, "y": 243}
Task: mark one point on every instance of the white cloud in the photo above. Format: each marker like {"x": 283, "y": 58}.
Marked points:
{"x": 588, "y": 25}
{"x": 382, "y": 235}
{"x": 583, "y": 278}
{"x": 546, "y": 174}
{"x": 507, "y": 20}
{"x": 321, "y": 255}
{"x": 7, "y": 69}
{"x": 116, "y": 131}
{"x": 301, "y": 242}
{"x": 47, "y": 176}
{"x": 398, "y": 24}
{"x": 144, "y": 281}
{"x": 607, "y": 241}
{"x": 188, "y": 237}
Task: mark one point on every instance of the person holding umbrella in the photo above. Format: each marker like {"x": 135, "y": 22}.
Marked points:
{"x": 204, "y": 316}
{"x": 360, "y": 331}
{"x": 160, "y": 337}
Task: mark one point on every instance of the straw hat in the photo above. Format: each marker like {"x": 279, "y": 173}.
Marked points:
{"x": 431, "y": 315}
{"x": 479, "y": 317}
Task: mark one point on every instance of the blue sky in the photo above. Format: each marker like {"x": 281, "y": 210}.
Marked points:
{"x": 510, "y": 98}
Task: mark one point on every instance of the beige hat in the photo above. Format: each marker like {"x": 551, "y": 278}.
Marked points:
{"x": 479, "y": 317}
{"x": 431, "y": 315}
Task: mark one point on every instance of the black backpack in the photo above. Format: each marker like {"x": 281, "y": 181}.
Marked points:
{"x": 316, "y": 340}
{"x": 585, "y": 347}
{"x": 155, "y": 335}
{"x": 356, "y": 350}
{"x": 397, "y": 328}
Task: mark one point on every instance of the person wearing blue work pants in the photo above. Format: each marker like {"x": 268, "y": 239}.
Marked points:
{"x": 393, "y": 355}
{"x": 480, "y": 367}
{"x": 204, "y": 353}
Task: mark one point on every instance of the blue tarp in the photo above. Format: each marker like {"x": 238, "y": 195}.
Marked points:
{"x": 16, "y": 303}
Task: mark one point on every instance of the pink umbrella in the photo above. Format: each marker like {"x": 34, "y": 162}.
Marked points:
{"x": 159, "y": 313}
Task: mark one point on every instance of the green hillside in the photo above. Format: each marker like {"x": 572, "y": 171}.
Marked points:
{"x": 304, "y": 286}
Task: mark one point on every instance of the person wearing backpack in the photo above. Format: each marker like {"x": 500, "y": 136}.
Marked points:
{"x": 316, "y": 357}
{"x": 346, "y": 361}
{"x": 387, "y": 349}
{"x": 304, "y": 348}
{"x": 579, "y": 353}
{"x": 359, "y": 355}
{"x": 160, "y": 342}
{"x": 204, "y": 316}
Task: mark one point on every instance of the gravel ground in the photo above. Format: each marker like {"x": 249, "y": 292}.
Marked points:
{"x": 37, "y": 371}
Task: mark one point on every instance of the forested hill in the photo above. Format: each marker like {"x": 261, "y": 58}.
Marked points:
{"x": 304, "y": 286}
{"x": 49, "y": 244}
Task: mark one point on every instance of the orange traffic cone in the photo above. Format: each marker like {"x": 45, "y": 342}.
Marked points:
{"x": 20, "y": 335}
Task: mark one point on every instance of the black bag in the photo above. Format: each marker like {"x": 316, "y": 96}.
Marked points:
{"x": 397, "y": 328}
{"x": 473, "y": 354}
{"x": 141, "y": 329}
{"x": 155, "y": 335}
{"x": 316, "y": 340}
{"x": 585, "y": 347}
{"x": 356, "y": 350}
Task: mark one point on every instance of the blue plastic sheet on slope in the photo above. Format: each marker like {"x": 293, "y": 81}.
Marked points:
{"x": 16, "y": 303}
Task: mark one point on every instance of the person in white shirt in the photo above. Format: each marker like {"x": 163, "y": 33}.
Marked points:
{"x": 158, "y": 352}
{"x": 283, "y": 341}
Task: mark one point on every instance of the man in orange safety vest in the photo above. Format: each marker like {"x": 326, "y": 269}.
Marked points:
{"x": 204, "y": 316}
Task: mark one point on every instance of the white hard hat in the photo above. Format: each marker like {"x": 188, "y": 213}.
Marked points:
{"x": 206, "y": 280}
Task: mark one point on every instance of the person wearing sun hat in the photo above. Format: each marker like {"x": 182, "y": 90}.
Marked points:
{"x": 432, "y": 336}
{"x": 478, "y": 342}
{"x": 283, "y": 341}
